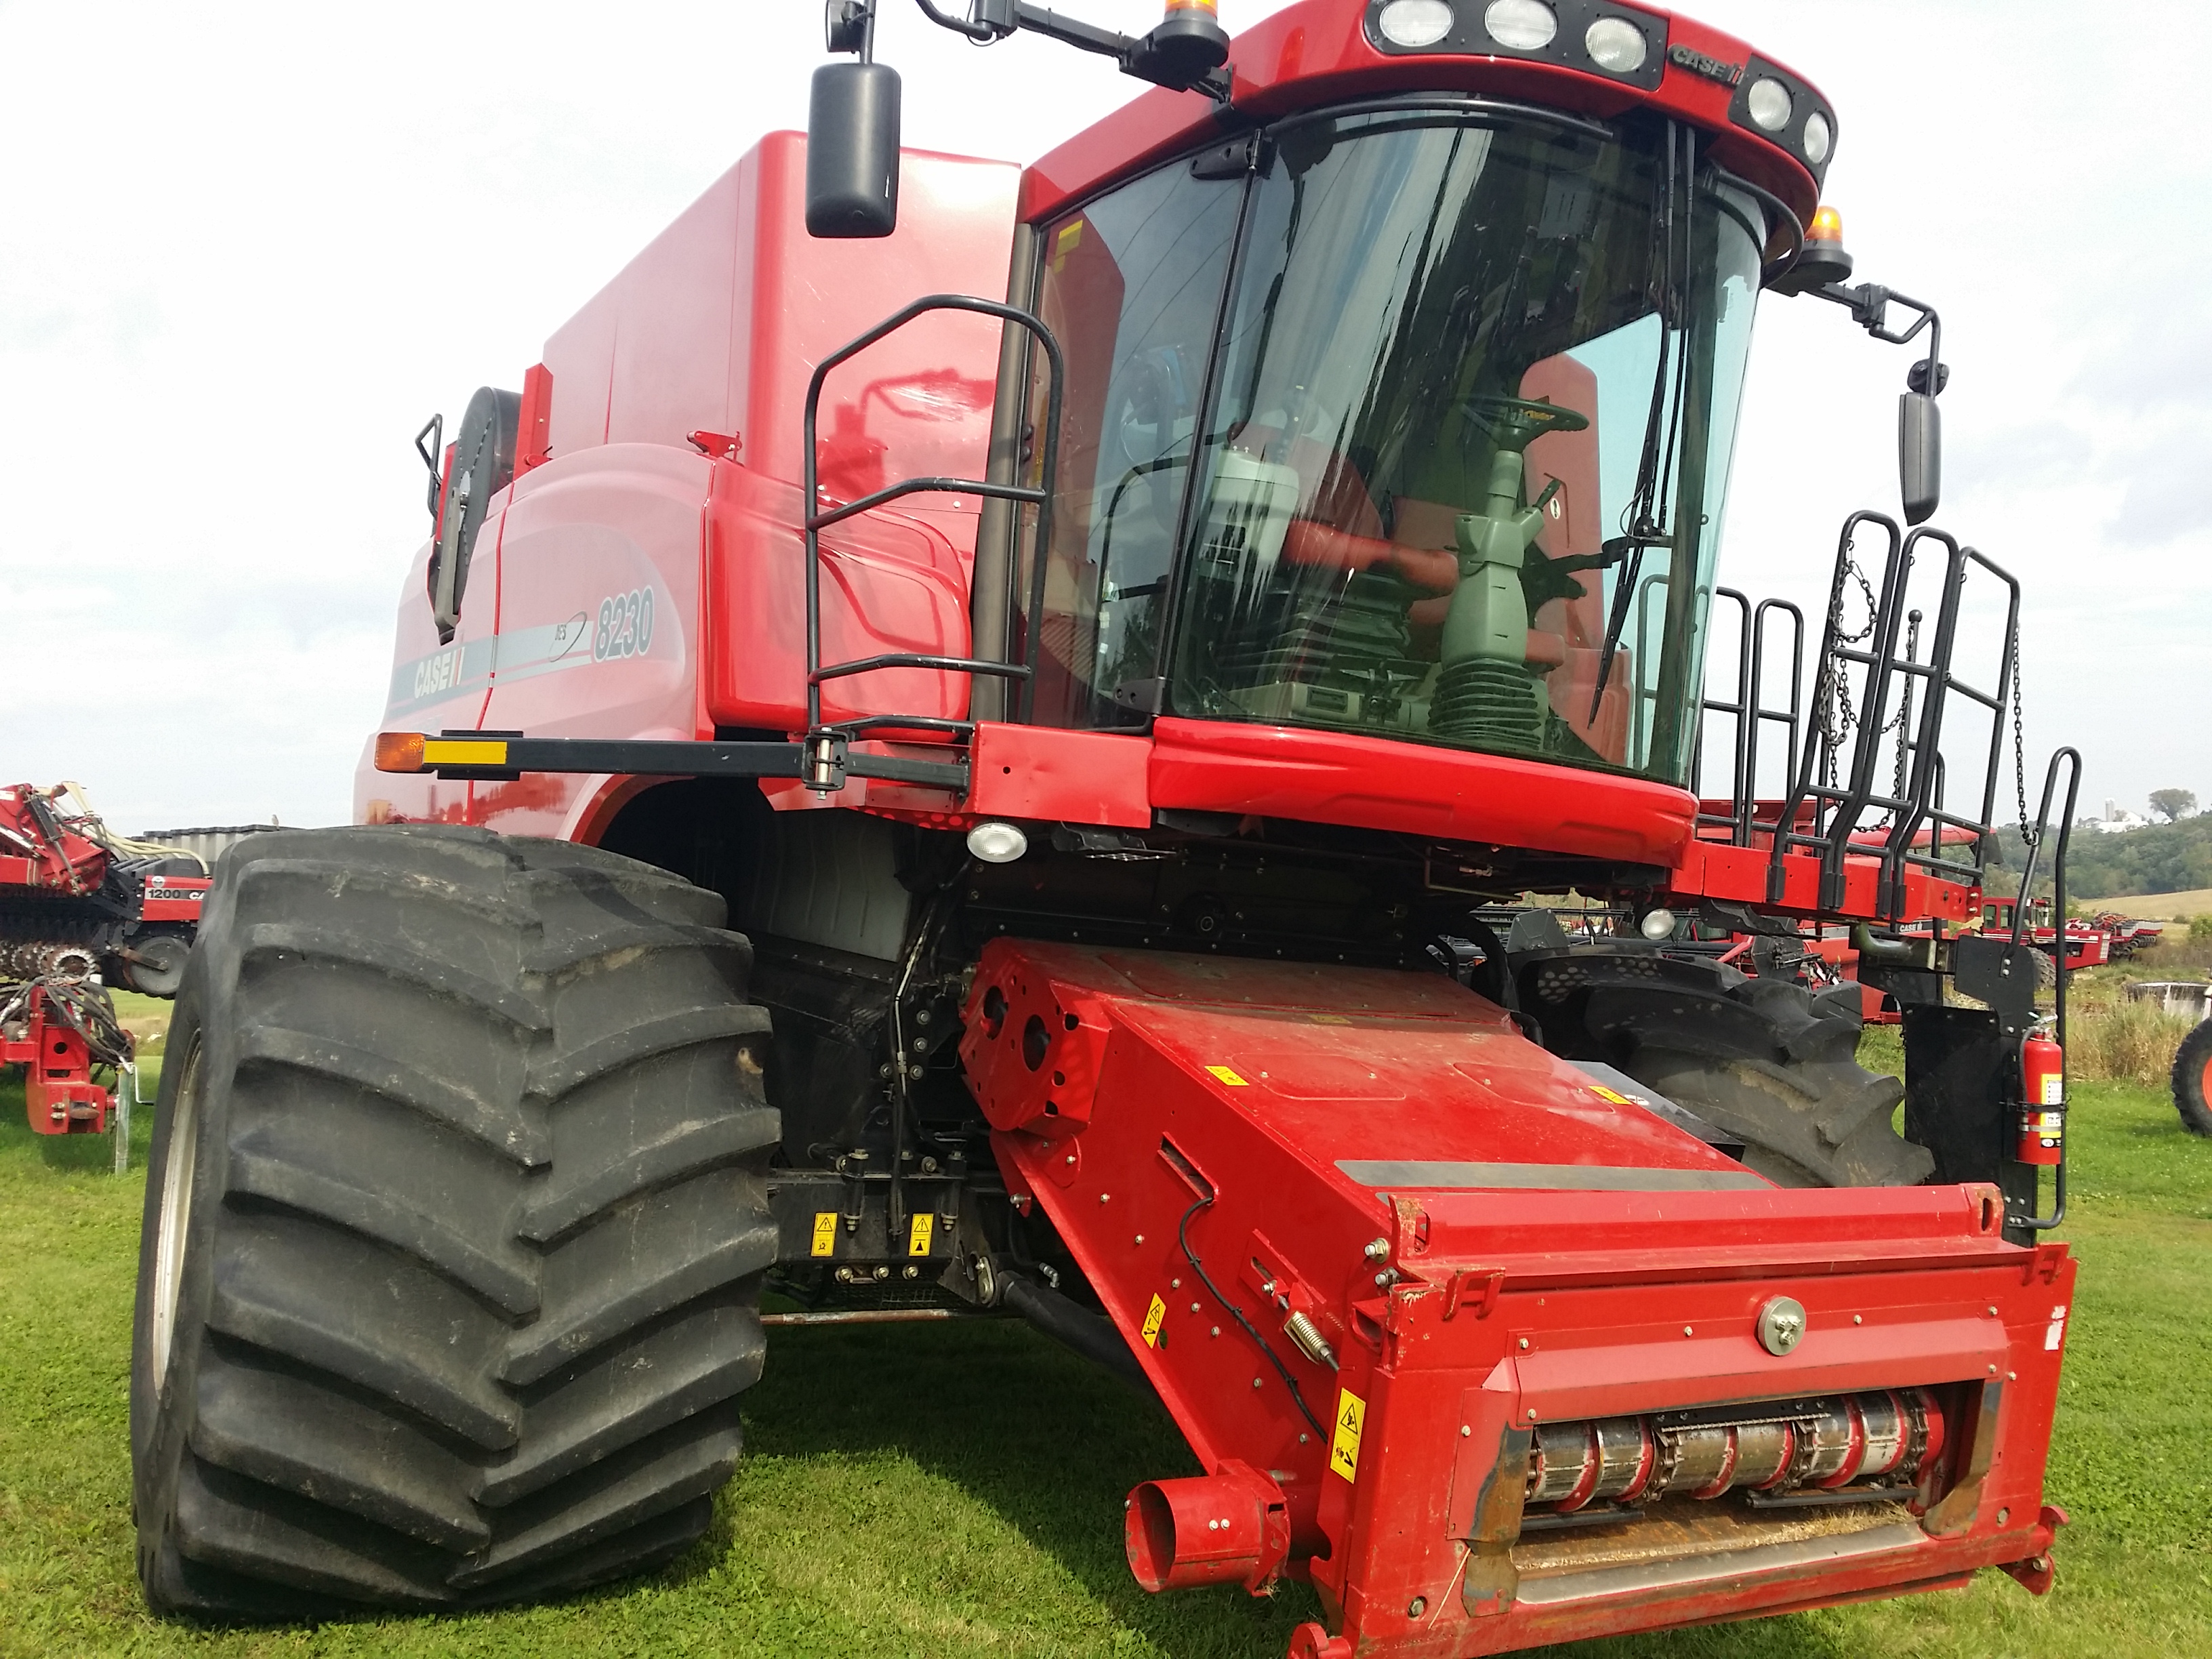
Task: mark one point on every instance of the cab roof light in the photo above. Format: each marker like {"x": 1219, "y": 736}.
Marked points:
{"x": 1823, "y": 262}
{"x": 1608, "y": 37}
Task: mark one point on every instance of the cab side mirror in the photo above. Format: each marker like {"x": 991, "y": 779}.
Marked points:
{"x": 1919, "y": 455}
{"x": 853, "y": 151}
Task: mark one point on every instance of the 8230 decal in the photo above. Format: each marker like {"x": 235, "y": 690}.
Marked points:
{"x": 625, "y": 625}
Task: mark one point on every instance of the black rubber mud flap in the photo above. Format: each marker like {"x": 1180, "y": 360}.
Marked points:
{"x": 450, "y": 1274}
{"x": 1767, "y": 1059}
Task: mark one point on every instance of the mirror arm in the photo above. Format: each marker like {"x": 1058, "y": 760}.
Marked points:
{"x": 1868, "y": 304}
{"x": 993, "y": 21}
{"x": 987, "y": 30}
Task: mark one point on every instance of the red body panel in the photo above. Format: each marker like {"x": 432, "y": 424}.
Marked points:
{"x": 30, "y": 858}
{"x": 1549, "y": 1251}
{"x": 1318, "y": 51}
{"x": 173, "y": 898}
{"x": 60, "y": 1096}
{"x": 716, "y": 327}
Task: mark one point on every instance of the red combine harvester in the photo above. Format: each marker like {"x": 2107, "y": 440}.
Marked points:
{"x": 77, "y": 903}
{"x": 1123, "y": 722}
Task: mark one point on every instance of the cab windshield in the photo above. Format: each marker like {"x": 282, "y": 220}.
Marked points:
{"x": 1456, "y": 474}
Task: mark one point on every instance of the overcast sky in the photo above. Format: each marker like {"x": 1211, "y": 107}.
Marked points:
{"x": 245, "y": 250}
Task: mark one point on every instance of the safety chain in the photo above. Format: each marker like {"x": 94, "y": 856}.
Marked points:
{"x": 1833, "y": 730}
{"x": 2029, "y": 836}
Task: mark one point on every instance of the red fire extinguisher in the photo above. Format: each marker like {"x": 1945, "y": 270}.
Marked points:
{"x": 2043, "y": 1100}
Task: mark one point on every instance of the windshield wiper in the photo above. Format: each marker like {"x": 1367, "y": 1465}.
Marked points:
{"x": 1670, "y": 385}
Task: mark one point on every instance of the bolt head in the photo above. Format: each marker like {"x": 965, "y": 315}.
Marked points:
{"x": 1140, "y": 1238}
{"x": 1524, "y": 1348}
{"x": 2004, "y": 1517}
{"x": 1216, "y": 1331}
{"x": 1377, "y": 1248}
{"x": 1255, "y": 1382}
{"x": 1103, "y": 1197}
{"x": 1465, "y": 1431}
{"x": 1781, "y": 1324}
{"x": 1417, "y": 1607}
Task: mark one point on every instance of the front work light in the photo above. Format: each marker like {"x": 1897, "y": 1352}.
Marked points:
{"x": 1769, "y": 103}
{"x": 1817, "y": 137}
{"x": 996, "y": 842}
{"x": 1616, "y": 44}
{"x": 1658, "y": 924}
{"x": 1523, "y": 25}
{"x": 1415, "y": 23}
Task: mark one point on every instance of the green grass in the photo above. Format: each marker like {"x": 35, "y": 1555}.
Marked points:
{"x": 919, "y": 1491}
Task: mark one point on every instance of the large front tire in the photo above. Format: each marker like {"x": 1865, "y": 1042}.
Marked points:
{"x": 450, "y": 1271}
{"x": 1767, "y": 1059}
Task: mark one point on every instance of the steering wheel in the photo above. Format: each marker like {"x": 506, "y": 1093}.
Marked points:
{"x": 1514, "y": 423}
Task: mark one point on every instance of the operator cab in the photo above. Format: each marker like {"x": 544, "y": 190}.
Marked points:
{"x": 1414, "y": 423}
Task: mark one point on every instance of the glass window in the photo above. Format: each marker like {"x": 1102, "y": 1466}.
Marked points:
{"x": 1463, "y": 480}
{"x": 1132, "y": 287}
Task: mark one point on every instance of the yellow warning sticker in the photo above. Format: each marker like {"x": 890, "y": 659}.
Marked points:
{"x": 1344, "y": 1445}
{"x": 1228, "y": 1076}
{"x": 917, "y": 1238}
{"x": 825, "y": 1232}
{"x": 1604, "y": 1093}
{"x": 1153, "y": 1316}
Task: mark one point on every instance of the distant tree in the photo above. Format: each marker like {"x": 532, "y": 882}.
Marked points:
{"x": 2200, "y": 928}
{"x": 2172, "y": 805}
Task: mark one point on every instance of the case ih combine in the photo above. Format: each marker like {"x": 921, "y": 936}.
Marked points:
{"x": 908, "y": 801}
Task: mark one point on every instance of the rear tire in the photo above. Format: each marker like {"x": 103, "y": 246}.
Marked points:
{"x": 2192, "y": 1079}
{"x": 450, "y": 1271}
{"x": 1767, "y": 1059}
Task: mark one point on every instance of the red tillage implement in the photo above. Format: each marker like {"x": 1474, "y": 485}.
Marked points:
{"x": 925, "y": 806}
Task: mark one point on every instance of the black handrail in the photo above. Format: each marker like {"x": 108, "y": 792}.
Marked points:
{"x": 817, "y": 521}
{"x": 1925, "y": 784}
{"x": 1750, "y": 712}
{"x": 2039, "y": 1223}
{"x": 1825, "y": 686}
{"x": 1921, "y": 803}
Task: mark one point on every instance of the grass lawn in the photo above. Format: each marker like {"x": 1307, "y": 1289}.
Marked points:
{"x": 920, "y": 1491}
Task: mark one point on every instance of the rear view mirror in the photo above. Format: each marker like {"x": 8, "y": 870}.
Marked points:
{"x": 1919, "y": 455}
{"x": 853, "y": 151}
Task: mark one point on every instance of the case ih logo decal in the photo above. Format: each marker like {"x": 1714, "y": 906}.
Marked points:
{"x": 1713, "y": 68}
{"x": 620, "y": 626}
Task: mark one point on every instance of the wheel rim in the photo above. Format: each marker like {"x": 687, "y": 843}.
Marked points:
{"x": 177, "y": 1172}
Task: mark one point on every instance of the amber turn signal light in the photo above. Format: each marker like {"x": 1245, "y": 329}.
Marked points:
{"x": 399, "y": 751}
